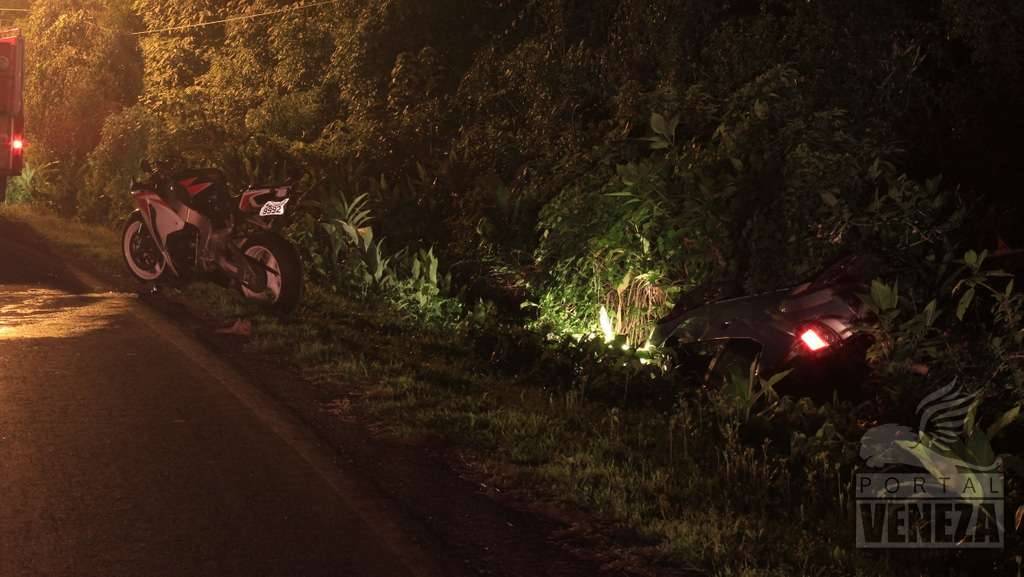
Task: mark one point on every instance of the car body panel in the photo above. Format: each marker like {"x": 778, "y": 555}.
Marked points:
{"x": 774, "y": 320}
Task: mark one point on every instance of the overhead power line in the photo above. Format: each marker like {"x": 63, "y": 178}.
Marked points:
{"x": 235, "y": 18}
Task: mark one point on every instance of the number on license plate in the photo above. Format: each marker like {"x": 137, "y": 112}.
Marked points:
{"x": 273, "y": 208}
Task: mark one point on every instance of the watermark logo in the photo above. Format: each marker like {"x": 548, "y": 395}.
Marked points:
{"x": 945, "y": 488}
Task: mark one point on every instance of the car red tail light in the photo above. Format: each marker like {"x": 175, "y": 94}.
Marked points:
{"x": 17, "y": 144}
{"x": 813, "y": 340}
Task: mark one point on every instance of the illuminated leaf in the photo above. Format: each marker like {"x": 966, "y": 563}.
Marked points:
{"x": 929, "y": 312}
{"x": 1005, "y": 419}
{"x": 606, "y": 325}
{"x": 659, "y": 125}
{"x": 659, "y": 144}
{"x": 884, "y": 296}
{"x": 965, "y": 302}
{"x": 673, "y": 125}
{"x": 979, "y": 449}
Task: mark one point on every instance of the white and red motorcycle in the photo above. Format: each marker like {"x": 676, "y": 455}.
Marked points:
{"x": 187, "y": 227}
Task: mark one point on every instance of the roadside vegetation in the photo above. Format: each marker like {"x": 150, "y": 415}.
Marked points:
{"x": 501, "y": 197}
{"x": 701, "y": 478}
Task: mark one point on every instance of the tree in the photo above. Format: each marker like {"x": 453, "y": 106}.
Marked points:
{"x": 82, "y": 67}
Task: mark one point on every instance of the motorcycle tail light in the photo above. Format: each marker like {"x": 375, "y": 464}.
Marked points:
{"x": 813, "y": 340}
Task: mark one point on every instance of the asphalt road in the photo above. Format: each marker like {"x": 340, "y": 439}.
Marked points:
{"x": 126, "y": 448}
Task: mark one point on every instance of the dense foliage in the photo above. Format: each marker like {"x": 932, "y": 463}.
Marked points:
{"x": 553, "y": 159}
{"x": 576, "y": 154}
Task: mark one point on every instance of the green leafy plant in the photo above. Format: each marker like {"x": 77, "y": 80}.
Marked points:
{"x": 975, "y": 448}
{"x": 664, "y": 131}
{"x": 24, "y": 187}
{"x": 741, "y": 393}
{"x": 1007, "y": 305}
{"x": 352, "y": 223}
{"x": 425, "y": 293}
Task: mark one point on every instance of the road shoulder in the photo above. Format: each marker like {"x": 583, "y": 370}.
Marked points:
{"x": 445, "y": 498}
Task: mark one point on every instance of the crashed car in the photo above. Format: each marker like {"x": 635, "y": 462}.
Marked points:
{"x": 813, "y": 329}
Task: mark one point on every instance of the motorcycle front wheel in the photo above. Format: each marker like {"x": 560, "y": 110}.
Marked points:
{"x": 279, "y": 259}
{"x": 144, "y": 259}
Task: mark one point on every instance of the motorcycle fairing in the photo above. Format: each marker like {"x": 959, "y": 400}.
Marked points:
{"x": 205, "y": 190}
{"x": 192, "y": 187}
{"x": 155, "y": 209}
{"x": 164, "y": 217}
{"x": 253, "y": 199}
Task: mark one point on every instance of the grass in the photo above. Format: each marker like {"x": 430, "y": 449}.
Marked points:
{"x": 99, "y": 247}
{"x": 692, "y": 488}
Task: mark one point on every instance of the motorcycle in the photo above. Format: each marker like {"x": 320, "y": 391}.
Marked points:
{"x": 814, "y": 330}
{"x": 187, "y": 227}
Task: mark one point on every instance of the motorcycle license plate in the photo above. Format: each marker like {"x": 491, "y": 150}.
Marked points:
{"x": 273, "y": 208}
